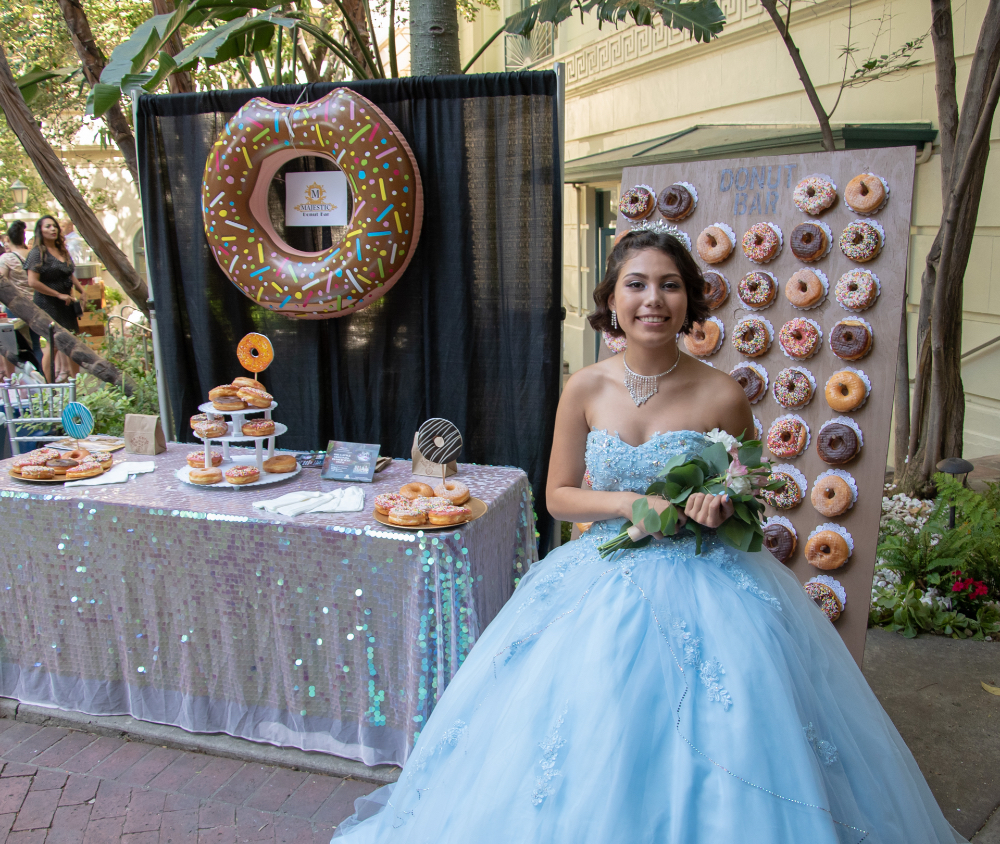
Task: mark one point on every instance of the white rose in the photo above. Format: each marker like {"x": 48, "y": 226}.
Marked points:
{"x": 728, "y": 441}
{"x": 740, "y": 485}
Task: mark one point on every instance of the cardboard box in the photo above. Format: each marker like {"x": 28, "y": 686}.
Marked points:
{"x": 91, "y": 319}
{"x": 94, "y": 293}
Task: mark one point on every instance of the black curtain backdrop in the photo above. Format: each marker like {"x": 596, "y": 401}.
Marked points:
{"x": 471, "y": 332}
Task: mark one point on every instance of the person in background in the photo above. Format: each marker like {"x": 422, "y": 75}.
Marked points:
{"x": 51, "y": 275}
{"x": 12, "y": 267}
{"x": 75, "y": 244}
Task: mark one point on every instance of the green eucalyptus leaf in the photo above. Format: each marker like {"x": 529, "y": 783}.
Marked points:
{"x": 750, "y": 455}
{"x": 717, "y": 458}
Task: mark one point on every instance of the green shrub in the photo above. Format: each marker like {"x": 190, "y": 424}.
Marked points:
{"x": 940, "y": 580}
{"x": 108, "y": 403}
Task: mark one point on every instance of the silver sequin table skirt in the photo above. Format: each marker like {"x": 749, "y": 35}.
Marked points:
{"x": 189, "y": 607}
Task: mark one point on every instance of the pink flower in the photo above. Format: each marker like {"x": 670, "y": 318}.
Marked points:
{"x": 957, "y": 586}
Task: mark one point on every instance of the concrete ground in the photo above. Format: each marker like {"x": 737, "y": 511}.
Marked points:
{"x": 931, "y": 688}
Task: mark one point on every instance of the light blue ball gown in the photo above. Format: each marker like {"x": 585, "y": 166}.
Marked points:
{"x": 655, "y": 696}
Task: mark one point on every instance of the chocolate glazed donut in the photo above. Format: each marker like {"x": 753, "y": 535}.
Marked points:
{"x": 675, "y": 202}
{"x": 850, "y": 339}
{"x": 837, "y": 443}
{"x": 808, "y": 241}
{"x": 780, "y": 542}
{"x": 750, "y": 381}
{"x": 716, "y": 289}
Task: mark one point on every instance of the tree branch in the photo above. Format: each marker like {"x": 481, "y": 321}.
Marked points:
{"x": 180, "y": 82}
{"x": 57, "y": 180}
{"x": 22, "y": 307}
{"x": 93, "y": 61}
{"x": 793, "y": 51}
{"x": 943, "y": 40}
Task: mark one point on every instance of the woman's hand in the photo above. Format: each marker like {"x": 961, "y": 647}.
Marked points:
{"x": 708, "y": 510}
{"x": 67, "y": 298}
{"x": 660, "y": 504}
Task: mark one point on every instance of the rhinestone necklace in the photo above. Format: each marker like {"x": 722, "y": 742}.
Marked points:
{"x": 643, "y": 387}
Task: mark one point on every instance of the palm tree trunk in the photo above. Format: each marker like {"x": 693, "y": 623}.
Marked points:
{"x": 180, "y": 83}
{"x": 434, "y": 38}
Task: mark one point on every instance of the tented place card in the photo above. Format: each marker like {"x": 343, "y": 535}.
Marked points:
{"x": 349, "y": 461}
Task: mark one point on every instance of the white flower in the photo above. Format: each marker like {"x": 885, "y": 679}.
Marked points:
{"x": 740, "y": 485}
{"x": 719, "y": 436}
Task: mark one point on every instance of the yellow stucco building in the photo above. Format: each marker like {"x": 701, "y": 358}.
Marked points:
{"x": 650, "y": 95}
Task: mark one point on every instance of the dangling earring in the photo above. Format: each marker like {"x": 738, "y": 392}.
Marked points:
{"x": 614, "y": 320}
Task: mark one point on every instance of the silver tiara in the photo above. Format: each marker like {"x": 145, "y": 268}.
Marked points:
{"x": 659, "y": 227}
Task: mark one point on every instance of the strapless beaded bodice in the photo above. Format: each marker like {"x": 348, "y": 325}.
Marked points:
{"x": 616, "y": 466}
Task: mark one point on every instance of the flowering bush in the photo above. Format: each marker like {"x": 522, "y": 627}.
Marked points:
{"x": 930, "y": 578}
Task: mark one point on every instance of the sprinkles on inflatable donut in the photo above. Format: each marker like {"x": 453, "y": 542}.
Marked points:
{"x": 342, "y": 127}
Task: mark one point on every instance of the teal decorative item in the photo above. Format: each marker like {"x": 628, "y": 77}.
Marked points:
{"x": 77, "y": 421}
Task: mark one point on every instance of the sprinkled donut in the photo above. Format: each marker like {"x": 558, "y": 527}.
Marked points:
{"x": 825, "y": 597}
{"x": 793, "y": 388}
{"x": 757, "y": 290}
{"x": 342, "y": 127}
{"x": 762, "y": 242}
{"x": 789, "y": 496}
{"x": 255, "y": 353}
{"x": 787, "y": 437}
{"x": 751, "y": 337}
{"x": 800, "y": 338}
{"x": 387, "y": 500}
{"x": 861, "y": 241}
{"x": 637, "y": 203}
{"x": 814, "y": 194}
{"x": 857, "y": 290}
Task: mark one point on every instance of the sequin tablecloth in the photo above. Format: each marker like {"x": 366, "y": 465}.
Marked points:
{"x": 189, "y": 607}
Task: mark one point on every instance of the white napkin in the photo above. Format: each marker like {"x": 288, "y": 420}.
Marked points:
{"x": 117, "y": 474}
{"x": 349, "y": 500}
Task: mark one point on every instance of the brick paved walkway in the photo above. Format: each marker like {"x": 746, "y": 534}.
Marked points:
{"x": 61, "y": 786}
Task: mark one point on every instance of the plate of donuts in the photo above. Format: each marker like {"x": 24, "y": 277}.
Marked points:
{"x": 242, "y": 472}
{"x": 49, "y": 466}
{"x": 417, "y": 506}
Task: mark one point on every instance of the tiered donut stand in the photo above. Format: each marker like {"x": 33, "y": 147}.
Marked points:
{"x": 238, "y": 417}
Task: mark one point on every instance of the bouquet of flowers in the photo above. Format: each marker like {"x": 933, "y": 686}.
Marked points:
{"x": 729, "y": 465}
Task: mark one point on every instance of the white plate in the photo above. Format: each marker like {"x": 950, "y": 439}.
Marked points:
{"x": 279, "y": 429}
{"x": 265, "y": 477}
{"x": 208, "y": 407}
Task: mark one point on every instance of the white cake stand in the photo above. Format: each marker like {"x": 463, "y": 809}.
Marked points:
{"x": 236, "y": 433}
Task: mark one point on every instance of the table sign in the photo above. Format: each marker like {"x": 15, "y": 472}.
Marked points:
{"x": 349, "y": 461}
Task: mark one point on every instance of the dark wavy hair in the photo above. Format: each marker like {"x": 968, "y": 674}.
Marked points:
{"x": 637, "y": 241}
{"x": 16, "y": 233}
{"x": 40, "y": 241}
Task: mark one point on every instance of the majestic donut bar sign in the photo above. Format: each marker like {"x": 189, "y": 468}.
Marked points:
{"x": 387, "y": 194}
{"x": 757, "y": 189}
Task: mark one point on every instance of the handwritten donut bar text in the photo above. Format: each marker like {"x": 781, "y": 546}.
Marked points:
{"x": 756, "y": 189}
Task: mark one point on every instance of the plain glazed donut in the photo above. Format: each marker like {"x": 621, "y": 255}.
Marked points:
{"x": 865, "y": 193}
{"x": 77, "y": 454}
{"x": 229, "y": 404}
{"x": 831, "y": 495}
{"x": 223, "y": 391}
{"x": 703, "y": 339}
{"x": 827, "y": 550}
{"x": 205, "y": 476}
{"x": 350, "y": 131}
{"x": 255, "y": 398}
{"x": 714, "y": 245}
{"x": 804, "y": 290}
{"x": 280, "y": 464}
{"x": 242, "y": 381}
{"x": 845, "y": 391}
{"x": 455, "y": 491}
{"x": 415, "y": 490}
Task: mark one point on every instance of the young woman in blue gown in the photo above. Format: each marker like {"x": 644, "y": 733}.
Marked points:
{"x": 655, "y": 696}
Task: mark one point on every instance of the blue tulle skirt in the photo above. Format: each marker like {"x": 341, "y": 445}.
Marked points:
{"x": 656, "y": 696}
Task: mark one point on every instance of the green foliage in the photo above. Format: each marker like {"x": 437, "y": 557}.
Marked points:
{"x": 960, "y": 565}
{"x": 108, "y": 403}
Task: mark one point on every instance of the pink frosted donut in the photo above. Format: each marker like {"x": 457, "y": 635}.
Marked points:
{"x": 387, "y": 500}
{"x": 761, "y": 243}
{"x": 455, "y": 491}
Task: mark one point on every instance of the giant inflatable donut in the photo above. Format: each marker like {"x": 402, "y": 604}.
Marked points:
{"x": 387, "y": 204}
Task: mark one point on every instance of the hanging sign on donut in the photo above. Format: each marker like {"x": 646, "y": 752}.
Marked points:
{"x": 342, "y": 127}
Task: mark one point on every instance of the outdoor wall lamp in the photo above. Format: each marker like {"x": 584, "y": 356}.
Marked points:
{"x": 20, "y": 191}
{"x": 955, "y": 466}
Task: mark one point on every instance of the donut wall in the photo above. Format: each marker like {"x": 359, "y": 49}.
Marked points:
{"x": 768, "y": 235}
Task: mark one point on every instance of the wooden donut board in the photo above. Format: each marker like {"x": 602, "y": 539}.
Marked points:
{"x": 744, "y": 191}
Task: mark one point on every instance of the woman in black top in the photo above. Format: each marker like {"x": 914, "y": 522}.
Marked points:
{"x": 51, "y": 275}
